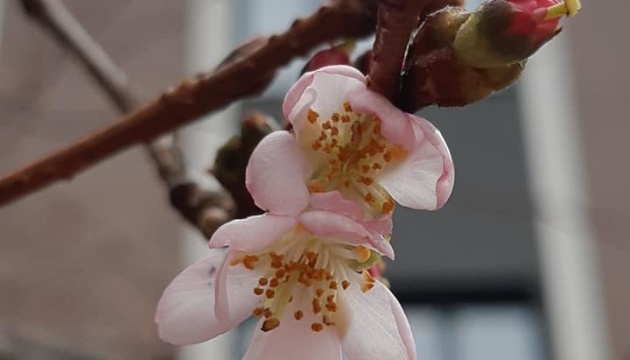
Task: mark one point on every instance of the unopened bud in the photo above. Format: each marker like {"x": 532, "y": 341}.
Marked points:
{"x": 336, "y": 55}
{"x": 503, "y": 32}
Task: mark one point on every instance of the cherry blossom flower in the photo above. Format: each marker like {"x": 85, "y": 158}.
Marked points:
{"x": 301, "y": 267}
{"x": 355, "y": 141}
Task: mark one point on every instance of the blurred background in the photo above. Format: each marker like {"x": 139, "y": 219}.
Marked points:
{"x": 528, "y": 260}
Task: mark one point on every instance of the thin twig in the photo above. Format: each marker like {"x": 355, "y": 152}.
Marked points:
{"x": 193, "y": 98}
{"x": 204, "y": 209}
{"x": 56, "y": 18}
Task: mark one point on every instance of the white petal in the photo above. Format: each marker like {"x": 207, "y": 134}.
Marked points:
{"x": 424, "y": 179}
{"x": 253, "y": 233}
{"x": 275, "y": 175}
{"x": 377, "y": 327}
{"x": 295, "y": 340}
{"x": 235, "y": 299}
{"x": 325, "y": 95}
{"x": 185, "y": 313}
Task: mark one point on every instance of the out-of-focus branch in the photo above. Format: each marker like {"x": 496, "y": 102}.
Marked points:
{"x": 204, "y": 209}
{"x": 193, "y": 98}
{"x": 56, "y": 19}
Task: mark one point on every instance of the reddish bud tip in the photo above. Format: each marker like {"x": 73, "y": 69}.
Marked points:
{"x": 337, "y": 55}
{"x": 528, "y": 18}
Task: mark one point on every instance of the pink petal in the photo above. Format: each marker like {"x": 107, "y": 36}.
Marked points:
{"x": 294, "y": 340}
{"x": 383, "y": 226}
{"x": 185, "y": 313}
{"x": 328, "y": 223}
{"x": 235, "y": 299}
{"x": 334, "y": 201}
{"x": 383, "y": 245}
{"x": 424, "y": 180}
{"x": 445, "y": 184}
{"x": 345, "y": 230}
{"x": 253, "y": 233}
{"x": 377, "y": 327}
{"x": 275, "y": 175}
{"x": 325, "y": 95}
{"x": 297, "y": 90}
{"x": 395, "y": 126}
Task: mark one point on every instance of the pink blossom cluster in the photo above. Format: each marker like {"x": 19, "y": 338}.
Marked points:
{"x": 328, "y": 189}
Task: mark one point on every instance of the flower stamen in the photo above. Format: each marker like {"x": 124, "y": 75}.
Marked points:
{"x": 567, "y": 8}
{"x": 355, "y": 153}
{"x": 310, "y": 266}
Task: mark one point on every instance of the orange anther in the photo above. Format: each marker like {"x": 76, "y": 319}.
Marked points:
{"x": 365, "y": 287}
{"x": 280, "y": 273}
{"x": 317, "y": 308}
{"x": 274, "y": 282}
{"x": 363, "y": 253}
{"x": 298, "y": 315}
{"x": 312, "y": 116}
{"x": 270, "y": 293}
{"x": 319, "y": 292}
{"x": 262, "y": 281}
{"x": 332, "y": 285}
{"x": 316, "y": 187}
{"x": 388, "y": 206}
{"x": 258, "y": 291}
{"x": 310, "y": 255}
{"x": 398, "y": 153}
{"x": 345, "y": 284}
{"x": 331, "y": 306}
{"x": 258, "y": 312}
{"x": 267, "y": 313}
{"x": 317, "y": 327}
{"x": 347, "y": 107}
{"x": 249, "y": 261}
{"x": 270, "y": 324}
{"x": 365, "y": 180}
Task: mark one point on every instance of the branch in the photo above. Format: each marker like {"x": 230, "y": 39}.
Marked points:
{"x": 56, "y": 18}
{"x": 397, "y": 20}
{"x": 193, "y": 98}
{"x": 204, "y": 209}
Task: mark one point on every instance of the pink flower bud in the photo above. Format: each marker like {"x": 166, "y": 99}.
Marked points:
{"x": 504, "y": 32}
{"x": 528, "y": 18}
{"x": 336, "y": 55}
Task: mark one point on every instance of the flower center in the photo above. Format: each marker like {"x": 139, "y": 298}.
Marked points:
{"x": 354, "y": 153}
{"x": 307, "y": 268}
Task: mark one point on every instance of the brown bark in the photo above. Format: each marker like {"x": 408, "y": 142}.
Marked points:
{"x": 206, "y": 210}
{"x": 193, "y": 98}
